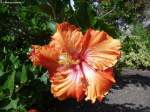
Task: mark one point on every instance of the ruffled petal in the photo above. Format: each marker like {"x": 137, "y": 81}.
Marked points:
{"x": 102, "y": 51}
{"x": 99, "y": 82}
{"x": 45, "y": 56}
{"x": 67, "y": 38}
{"x": 68, "y": 83}
{"x": 93, "y": 37}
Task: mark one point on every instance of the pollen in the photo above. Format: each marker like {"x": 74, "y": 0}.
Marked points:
{"x": 67, "y": 60}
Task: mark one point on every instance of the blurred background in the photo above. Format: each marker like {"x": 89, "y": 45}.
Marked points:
{"x": 24, "y": 23}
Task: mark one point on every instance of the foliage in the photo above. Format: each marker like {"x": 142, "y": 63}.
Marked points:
{"x": 136, "y": 49}
{"x": 22, "y": 26}
{"x": 23, "y": 86}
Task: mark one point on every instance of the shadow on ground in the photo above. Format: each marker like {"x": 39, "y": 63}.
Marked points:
{"x": 72, "y": 106}
{"x": 130, "y": 94}
{"x": 127, "y": 83}
{"x": 138, "y": 80}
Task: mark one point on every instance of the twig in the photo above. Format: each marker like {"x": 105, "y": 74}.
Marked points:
{"x": 53, "y": 11}
{"x": 109, "y": 11}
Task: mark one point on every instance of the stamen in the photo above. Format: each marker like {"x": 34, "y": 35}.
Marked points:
{"x": 66, "y": 59}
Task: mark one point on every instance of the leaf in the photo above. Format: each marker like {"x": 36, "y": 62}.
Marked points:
{"x": 1, "y": 69}
{"x": 10, "y": 82}
{"x": 14, "y": 60}
{"x": 4, "y": 50}
{"x": 33, "y": 21}
{"x": 52, "y": 26}
{"x": 12, "y": 104}
{"x": 110, "y": 29}
{"x": 1, "y": 73}
{"x": 82, "y": 15}
{"x": 44, "y": 78}
{"x": 23, "y": 75}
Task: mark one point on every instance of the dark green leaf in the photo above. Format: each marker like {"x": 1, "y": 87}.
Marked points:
{"x": 23, "y": 75}
{"x": 11, "y": 105}
{"x": 10, "y": 82}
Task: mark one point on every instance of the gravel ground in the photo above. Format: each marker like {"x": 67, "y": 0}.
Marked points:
{"x": 130, "y": 94}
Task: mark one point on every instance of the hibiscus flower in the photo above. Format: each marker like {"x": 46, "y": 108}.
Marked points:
{"x": 79, "y": 66}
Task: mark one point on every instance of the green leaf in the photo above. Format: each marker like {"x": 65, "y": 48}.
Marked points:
{"x": 33, "y": 21}
{"x": 14, "y": 60}
{"x": 52, "y": 26}
{"x": 4, "y": 50}
{"x": 82, "y": 15}
{"x": 1, "y": 66}
{"x": 11, "y": 105}
{"x": 1, "y": 69}
{"x": 23, "y": 75}
{"x": 10, "y": 82}
{"x": 1, "y": 73}
{"x": 44, "y": 78}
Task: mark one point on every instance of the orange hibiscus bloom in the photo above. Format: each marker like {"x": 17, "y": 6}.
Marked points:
{"x": 79, "y": 65}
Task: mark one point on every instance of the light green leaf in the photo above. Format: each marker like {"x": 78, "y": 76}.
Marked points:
{"x": 52, "y": 26}
{"x": 44, "y": 78}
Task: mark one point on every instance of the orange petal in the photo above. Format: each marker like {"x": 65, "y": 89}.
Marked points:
{"x": 67, "y": 37}
{"x": 98, "y": 82}
{"x": 68, "y": 83}
{"x": 102, "y": 50}
{"x": 108, "y": 74}
{"x": 94, "y": 37}
{"x": 44, "y": 55}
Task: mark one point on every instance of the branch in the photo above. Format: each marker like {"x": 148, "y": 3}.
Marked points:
{"x": 109, "y": 11}
{"x": 53, "y": 11}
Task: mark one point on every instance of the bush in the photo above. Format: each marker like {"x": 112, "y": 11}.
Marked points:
{"x": 136, "y": 49}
